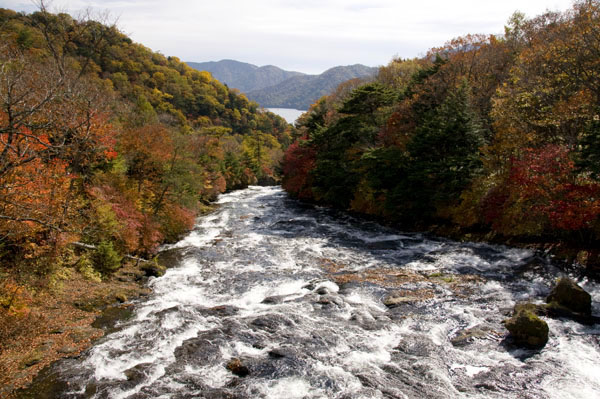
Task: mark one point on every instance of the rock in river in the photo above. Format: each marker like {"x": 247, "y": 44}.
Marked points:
{"x": 237, "y": 367}
{"x": 527, "y": 329}
{"x": 569, "y": 295}
{"x": 406, "y": 296}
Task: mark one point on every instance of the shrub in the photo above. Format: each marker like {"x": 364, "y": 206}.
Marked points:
{"x": 86, "y": 268}
{"x": 106, "y": 259}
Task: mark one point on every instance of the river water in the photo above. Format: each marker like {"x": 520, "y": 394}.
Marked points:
{"x": 296, "y": 293}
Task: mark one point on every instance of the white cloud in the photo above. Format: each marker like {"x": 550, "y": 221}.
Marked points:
{"x": 307, "y": 35}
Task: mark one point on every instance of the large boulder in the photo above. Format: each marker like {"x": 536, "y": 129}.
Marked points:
{"x": 526, "y": 328}
{"x": 571, "y": 296}
{"x": 36, "y": 356}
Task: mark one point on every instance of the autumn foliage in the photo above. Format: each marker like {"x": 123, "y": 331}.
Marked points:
{"x": 299, "y": 161}
{"x": 543, "y": 193}
{"x": 493, "y": 133}
{"x": 107, "y": 144}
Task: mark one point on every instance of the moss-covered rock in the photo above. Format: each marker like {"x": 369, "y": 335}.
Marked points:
{"x": 121, "y": 297}
{"x": 153, "y": 269}
{"x": 569, "y": 295}
{"x": 526, "y": 328}
{"x": 83, "y": 333}
{"x": 538, "y": 310}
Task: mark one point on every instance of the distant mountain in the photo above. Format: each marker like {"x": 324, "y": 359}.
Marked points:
{"x": 300, "y": 92}
{"x": 273, "y": 87}
{"x": 243, "y": 76}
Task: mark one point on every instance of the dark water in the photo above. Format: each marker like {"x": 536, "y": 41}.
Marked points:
{"x": 251, "y": 285}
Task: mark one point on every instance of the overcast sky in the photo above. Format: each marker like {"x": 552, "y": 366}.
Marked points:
{"x": 303, "y": 35}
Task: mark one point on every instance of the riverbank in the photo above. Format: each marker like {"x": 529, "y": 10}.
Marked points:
{"x": 63, "y": 321}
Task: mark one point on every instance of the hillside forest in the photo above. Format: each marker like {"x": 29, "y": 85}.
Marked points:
{"x": 108, "y": 144}
{"x": 490, "y": 135}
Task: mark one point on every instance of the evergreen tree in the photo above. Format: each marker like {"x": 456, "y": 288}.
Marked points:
{"x": 444, "y": 156}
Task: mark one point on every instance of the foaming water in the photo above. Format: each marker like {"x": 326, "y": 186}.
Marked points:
{"x": 296, "y": 293}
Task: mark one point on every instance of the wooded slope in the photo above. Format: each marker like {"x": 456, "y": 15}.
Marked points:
{"x": 299, "y": 92}
{"x": 487, "y": 133}
{"x": 104, "y": 141}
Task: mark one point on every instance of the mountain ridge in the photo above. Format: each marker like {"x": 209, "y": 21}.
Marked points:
{"x": 300, "y": 92}
{"x": 273, "y": 87}
{"x": 244, "y": 76}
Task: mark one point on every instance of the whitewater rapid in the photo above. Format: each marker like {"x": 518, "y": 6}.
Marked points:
{"x": 297, "y": 292}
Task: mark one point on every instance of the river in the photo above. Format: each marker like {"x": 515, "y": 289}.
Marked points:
{"x": 295, "y": 293}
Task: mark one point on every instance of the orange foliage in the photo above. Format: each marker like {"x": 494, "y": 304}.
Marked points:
{"x": 298, "y": 162}
{"x": 130, "y": 220}
{"x": 146, "y": 148}
{"x": 34, "y": 198}
{"x": 176, "y": 221}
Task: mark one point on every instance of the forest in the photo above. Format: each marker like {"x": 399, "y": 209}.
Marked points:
{"x": 494, "y": 135}
{"x": 108, "y": 150}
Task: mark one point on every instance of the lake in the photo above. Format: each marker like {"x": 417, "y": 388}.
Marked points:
{"x": 289, "y": 114}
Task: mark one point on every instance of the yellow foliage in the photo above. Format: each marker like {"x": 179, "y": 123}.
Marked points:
{"x": 86, "y": 268}
{"x": 205, "y": 76}
{"x": 14, "y": 297}
{"x": 159, "y": 96}
{"x": 57, "y": 278}
{"x": 468, "y": 211}
{"x": 398, "y": 73}
{"x": 517, "y": 219}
